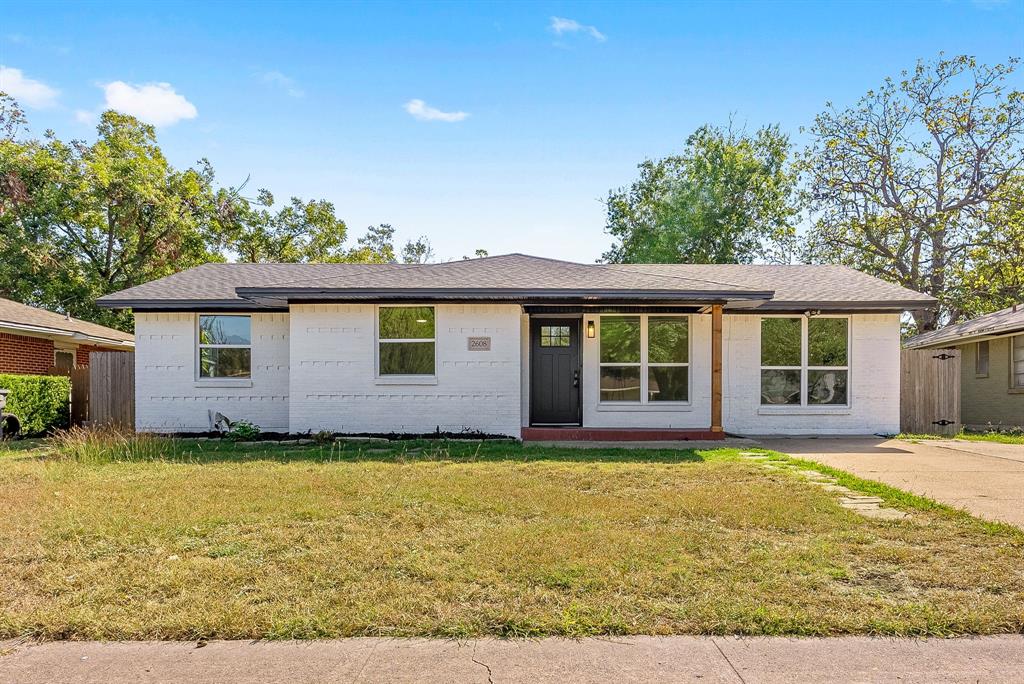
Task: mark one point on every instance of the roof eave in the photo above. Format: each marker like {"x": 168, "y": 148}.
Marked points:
{"x": 182, "y": 304}
{"x": 970, "y": 338}
{"x": 58, "y": 332}
{"x": 879, "y": 306}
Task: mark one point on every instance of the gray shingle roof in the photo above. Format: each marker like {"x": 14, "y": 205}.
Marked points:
{"x": 1004, "y": 322}
{"x": 797, "y": 283}
{"x": 518, "y": 276}
{"x": 21, "y": 315}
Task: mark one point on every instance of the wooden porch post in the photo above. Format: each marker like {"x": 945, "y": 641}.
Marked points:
{"x": 716, "y": 368}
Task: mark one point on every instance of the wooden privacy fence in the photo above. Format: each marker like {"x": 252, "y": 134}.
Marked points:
{"x": 930, "y": 391}
{"x": 111, "y": 388}
{"x": 79, "y": 394}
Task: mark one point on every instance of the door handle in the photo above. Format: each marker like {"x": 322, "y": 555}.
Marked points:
{"x": 575, "y": 378}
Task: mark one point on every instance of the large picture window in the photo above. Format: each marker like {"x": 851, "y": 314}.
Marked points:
{"x": 405, "y": 337}
{"x": 645, "y": 359}
{"x": 805, "y": 361}
{"x": 225, "y": 347}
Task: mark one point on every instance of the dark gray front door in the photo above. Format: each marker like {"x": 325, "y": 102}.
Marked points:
{"x": 555, "y": 371}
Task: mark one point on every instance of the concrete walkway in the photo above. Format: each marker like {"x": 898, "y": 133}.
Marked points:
{"x": 984, "y": 478}
{"x": 632, "y": 659}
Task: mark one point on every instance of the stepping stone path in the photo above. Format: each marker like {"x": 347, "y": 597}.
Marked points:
{"x": 868, "y": 506}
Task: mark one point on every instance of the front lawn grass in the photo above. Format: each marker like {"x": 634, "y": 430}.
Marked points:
{"x": 999, "y": 437}
{"x": 461, "y": 539}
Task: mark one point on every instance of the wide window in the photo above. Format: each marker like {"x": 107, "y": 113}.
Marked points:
{"x": 805, "y": 361}
{"x": 1017, "y": 358}
{"x": 645, "y": 359}
{"x": 225, "y": 347}
{"x": 405, "y": 336}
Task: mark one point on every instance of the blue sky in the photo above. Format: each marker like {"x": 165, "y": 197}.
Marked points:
{"x": 481, "y": 125}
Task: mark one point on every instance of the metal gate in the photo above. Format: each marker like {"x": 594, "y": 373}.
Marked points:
{"x": 930, "y": 391}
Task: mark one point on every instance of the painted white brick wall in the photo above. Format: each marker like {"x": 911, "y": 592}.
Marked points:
{"x": 874, "y": 383}
{"x": 333, "y": 373}
{"x": 169, "y": 397}
{"x": 315, "y": 369}
{"x": 695, "y": 416}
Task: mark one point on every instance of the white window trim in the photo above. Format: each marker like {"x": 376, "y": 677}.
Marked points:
{"x": 804, "y": 368}
{"x": 1015, "y": 388}
{"x": 988, "y": 358}
{"x": 644, "y": 402}
{"x": 393, "y": 378}
{"x": 200, "y": 381}
{"x": 74, "y": 354}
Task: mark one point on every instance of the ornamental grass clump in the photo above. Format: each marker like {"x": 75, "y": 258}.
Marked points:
{"x": 110, "y": 444}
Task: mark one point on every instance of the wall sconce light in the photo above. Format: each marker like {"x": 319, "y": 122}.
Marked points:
{"x": 591, "y": 331}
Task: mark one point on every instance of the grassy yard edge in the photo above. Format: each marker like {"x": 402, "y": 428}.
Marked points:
{"x": 994, "y": 437}
{"x": 900, "y": 497}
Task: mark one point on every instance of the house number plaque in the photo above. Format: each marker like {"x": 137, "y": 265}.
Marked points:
{"x": 478, "y": 343}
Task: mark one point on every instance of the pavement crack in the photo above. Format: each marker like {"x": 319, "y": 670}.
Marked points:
{"x": 357, "y": 675}
{"x": 735, "y": 671}
{"x": 490, "y": 675}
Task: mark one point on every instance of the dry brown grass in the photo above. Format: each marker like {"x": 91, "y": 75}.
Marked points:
{"x": 220, "y": 542}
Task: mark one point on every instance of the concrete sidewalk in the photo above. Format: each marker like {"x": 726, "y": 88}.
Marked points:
{"x": 625, "y": 659}
{"x": 984, "y": 478}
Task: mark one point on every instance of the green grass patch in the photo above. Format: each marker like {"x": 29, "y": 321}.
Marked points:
{"x": 998, "y": 437}
{"x": 460, "y": 539}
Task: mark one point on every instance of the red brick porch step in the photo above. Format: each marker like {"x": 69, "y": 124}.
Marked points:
{"x": 615, "y": 434}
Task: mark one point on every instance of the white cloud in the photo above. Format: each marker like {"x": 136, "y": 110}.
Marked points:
{"x": 155, "y": 103}
{"x": 278, "y": 79}
{"x": 84, "y": 116}
{"x": 27, "y": 91}
{"x": 560, "y": 26}
{"x": 424, "y": 112}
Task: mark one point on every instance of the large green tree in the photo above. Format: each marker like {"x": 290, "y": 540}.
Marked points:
{"x": 727, "y": 198}
{"x": 991, "y": 274}
{"x": 301, "y": 231}
{"x": 914, "y": 182}
{"x": 78, "y": 221}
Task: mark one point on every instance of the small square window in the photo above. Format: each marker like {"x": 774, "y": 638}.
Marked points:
{"x": 63, "y": 360}
{"x": 554, "y": 336}
{"x": 225, "y": 346}
{"x": 405, "y": 340}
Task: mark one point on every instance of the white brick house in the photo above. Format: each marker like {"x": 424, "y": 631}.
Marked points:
{"x": 520, "y": 346}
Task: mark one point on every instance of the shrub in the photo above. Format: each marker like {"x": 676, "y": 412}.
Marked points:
{"x": 243, "y": 430}
{"x": 110, "y": 443}
{"x": 42, "y": 402}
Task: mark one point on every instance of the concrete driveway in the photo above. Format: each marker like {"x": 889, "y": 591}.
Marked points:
{"x": 984, "y": 478}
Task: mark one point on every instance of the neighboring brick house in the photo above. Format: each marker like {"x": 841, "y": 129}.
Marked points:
{"x": 33, "y": 341}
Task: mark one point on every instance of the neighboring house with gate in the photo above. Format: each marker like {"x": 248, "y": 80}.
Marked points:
{"x": 33, "y": 341}
{"x": 991, "y": 368}
{"x": 521, "y": 346}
